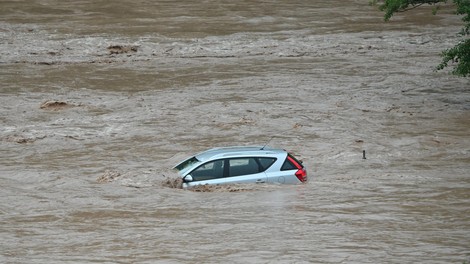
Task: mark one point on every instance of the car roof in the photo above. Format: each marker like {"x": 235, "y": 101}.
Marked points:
{"x": 236, "y": 151}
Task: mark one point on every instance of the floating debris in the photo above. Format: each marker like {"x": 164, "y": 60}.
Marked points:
{"x": 56, "y": 105}
{"x": 108, "y": 176}
{"x": 22, "y": 139}
{"x": 297, "y": 126}
{"x": 120, "y": 49}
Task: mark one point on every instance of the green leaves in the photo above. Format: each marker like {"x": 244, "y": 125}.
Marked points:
{"x": 457, "y": 56}
{"x": 392, "y": 6}
{"x": 460, "y": 53}
{"x": 463, "y": 8}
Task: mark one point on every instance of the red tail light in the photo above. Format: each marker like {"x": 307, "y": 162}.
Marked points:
{"x": 301, "y": 173}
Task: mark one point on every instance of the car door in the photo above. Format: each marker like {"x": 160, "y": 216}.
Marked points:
{"x": 245, "y": 170}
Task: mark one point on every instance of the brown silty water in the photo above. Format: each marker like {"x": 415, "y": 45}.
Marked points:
{"x": 99, "y": 99}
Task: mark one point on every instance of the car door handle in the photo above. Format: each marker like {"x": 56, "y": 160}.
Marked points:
{"x": 260, "y": 181}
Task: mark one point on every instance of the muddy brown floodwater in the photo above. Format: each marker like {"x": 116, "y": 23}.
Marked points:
{"x": 100, "y": 98}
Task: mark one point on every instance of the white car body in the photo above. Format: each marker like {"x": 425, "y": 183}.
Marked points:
{"x": 231, "y": 165}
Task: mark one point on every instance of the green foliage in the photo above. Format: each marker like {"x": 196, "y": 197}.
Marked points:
{"x": 393, "y": 6}
{"x": 459, "y": 55}
{"x": 463, "y": 8}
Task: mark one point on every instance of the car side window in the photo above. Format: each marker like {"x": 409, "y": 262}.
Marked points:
{"x": 208, "y": 171}
{"x": 243, "y": 166}
{"x": 266, "y": 163}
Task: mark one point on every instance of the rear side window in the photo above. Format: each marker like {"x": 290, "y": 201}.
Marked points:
{"x": 291, "y": 163}
{"x": 251, "y": 165}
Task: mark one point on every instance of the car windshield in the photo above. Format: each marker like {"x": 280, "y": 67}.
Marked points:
{"x": 185, "y": 164}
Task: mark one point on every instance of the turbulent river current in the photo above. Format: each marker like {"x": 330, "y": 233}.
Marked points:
{"x": 99, "y": 99}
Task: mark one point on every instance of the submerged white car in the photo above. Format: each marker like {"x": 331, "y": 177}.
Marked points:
{"x": 241, "y": 165}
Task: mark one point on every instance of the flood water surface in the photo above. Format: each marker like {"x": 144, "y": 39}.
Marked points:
{"x": 99, "y": 100}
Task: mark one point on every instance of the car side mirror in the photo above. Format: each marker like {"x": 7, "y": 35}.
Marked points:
{"x": 188, "y": 178}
